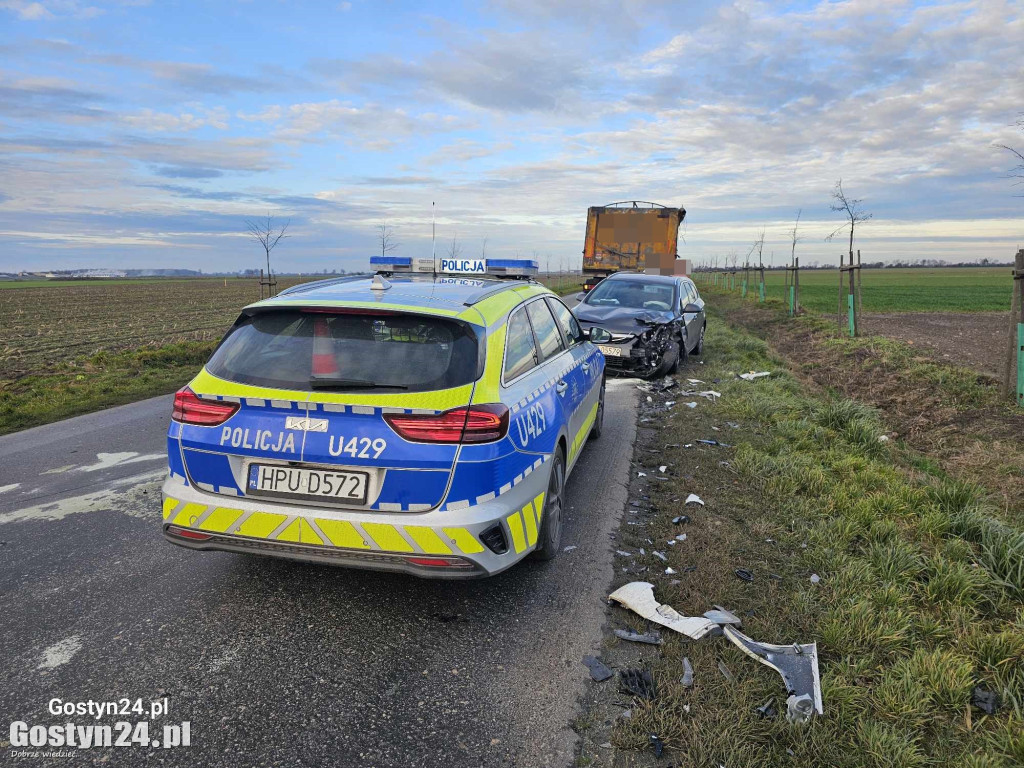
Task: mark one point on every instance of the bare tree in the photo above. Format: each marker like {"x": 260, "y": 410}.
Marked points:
{"x": 841, "y": 203}
{"x": 483, "y": 249}
{"x": 794, "y": 237}
{"x": 1017, "y": 172}
{"x": 455, "y": 249}
{"x": 386, "y": 235}
{"x": 267, "y": 234}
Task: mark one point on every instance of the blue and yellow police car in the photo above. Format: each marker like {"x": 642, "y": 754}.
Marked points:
{"x": 412, "y": 420}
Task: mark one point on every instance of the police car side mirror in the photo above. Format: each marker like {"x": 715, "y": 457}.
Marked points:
{"x": 600, "y": 335}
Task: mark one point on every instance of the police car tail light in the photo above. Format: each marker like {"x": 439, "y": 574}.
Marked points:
{"x": 473, "y": 424}
{"x": 189, "y": 409}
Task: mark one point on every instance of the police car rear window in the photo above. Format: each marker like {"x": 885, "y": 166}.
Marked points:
{"x": 315, "y": 350}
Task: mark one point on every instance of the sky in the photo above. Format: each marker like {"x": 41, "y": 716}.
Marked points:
{"x": 137, "y": 134}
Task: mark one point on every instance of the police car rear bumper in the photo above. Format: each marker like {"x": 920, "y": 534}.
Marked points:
{"x": 442, "y": 543}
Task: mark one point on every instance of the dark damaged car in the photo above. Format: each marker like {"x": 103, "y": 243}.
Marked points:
{"x": 646, "y": 325}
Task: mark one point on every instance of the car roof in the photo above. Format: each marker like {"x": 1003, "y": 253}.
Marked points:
{"x": 642, "y": 277}
{"x": 450, "y": 295}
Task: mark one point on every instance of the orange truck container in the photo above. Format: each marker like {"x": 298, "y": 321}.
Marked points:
{"x": 633, "y": 235}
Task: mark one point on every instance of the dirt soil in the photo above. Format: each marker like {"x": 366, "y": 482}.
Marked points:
{"x": 973, "y": 339}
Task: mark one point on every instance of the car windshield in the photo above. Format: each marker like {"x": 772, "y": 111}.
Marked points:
{"x": 317, "y": 350}
{"x": 631, "y": 294}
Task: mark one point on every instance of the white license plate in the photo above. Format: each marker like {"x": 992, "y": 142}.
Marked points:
{"x": 301, "y": 483}
{"x": 610, "y": 351}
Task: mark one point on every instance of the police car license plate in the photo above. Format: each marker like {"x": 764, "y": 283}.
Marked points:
{"x": 610, "y": 351}
{"x": 302, "y": 483}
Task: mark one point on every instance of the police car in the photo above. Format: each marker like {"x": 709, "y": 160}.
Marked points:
{"x": 407, "y": 421}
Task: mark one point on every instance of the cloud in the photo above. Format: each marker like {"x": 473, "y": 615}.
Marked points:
{"x": 187, "y": 172}
{"x": 48, "y": 98}
{"x": 164, "y": 122}
{"x": 52, "y": 9}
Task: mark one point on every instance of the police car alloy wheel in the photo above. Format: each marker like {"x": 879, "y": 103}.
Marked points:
{"x": 551, "y": 523}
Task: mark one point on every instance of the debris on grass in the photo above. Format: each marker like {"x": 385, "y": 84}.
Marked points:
{"x": 656, "y": 744}
{"x": 815, "y": 578}
{"x": 638, "y": 682}
{"x": 721, "y": 617}
{"x": 797, "y": 664}
{"x": 744, "y": 574}
{"x": 652, "y": 638}
{"x": 754, "y": 375}
{"x": 986, "y": 701}
{"x": 693, "y": 498}
{"x": 638, "y": 596}
{"x": 680, "y": 519}
{"x": 691, "y": 405}
{"x": 767, "y": 710}
{"x": 687, "y": 679}
{"x": 725, "y": 671}
{"x": 598, "y": 671}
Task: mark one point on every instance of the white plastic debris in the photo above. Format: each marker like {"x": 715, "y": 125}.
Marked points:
{"x": 659, "y": 555}
{"x": 669, "y": 403}
{"x": 570, "y": 548}
{"x": 815, "y": 578}
{"x": 695, "y": 381}
{"x": 798, "y": 666}
{"x": 641, "y": 474}
{"x": 693, "y": 498}
{"x": 710, "y": 394}
{"x": 638, "y": 596}
{"x": 754, "y": 375}
{"x": 662, "y": 468}
{"x": 669, "y": 571}
{"x": 690, "y": 405}
{"x": 623, "y": 554}
{"x": 681, "y": 537}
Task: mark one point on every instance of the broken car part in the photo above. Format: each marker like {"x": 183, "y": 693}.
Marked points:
{"x": 744, "y": 574}
{"x": 687, "y": 679}
{"x": 656, "y": 744}
{"x": 635, "y": 637}
{"x": 721, "y": 617}
{"x": 767, "y": 710}
{"x": 637, "y": 682}
{"x": 986, "y": 701}
{"x": 598, "y": 671}
{"x": 798, "y": 665}
{"x": 693, "y": 498}
{"x": 725, "y": 671}
{"x": 638, "y": 596}
{"x": 754, "y": 375}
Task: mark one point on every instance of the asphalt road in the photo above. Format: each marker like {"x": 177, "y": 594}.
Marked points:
{"x": 283, "y": 664}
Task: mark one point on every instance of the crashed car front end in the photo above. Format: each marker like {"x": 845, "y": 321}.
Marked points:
{"x": 640, "y": 352}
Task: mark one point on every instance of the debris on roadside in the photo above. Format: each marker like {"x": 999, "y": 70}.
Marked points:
{"x": 754, "y": 375}
{"x": 710, "y": 394}
{"x": 691, "y": 405}
{"x": 798, "y": 666}
{"x": 680, "y": 519}
{"x": 570, "y": 548}
{"x": 598, "y": 671}
{"x": 652, "y": 638}
{"x": 815, "y": 578}
{"x": 637, "y": 682}
{"x": 721, "y": 617}
{"x": 656, "y": 744}
{"x": 693, "y": 498}
{"x": 620, "y": 553}
{"x": 681, "y": 537}
{"x": 725, "y": 671}
{"x": 986, "y": 701}
{"x": 687, "y": 679}
{"x": 670, "y": 571}
{"x": 638, "y": 596}
{"x": 744, "y": 574}
{"x": 714, "y": 442}
{"x": 659, "y": 555}
{"x": 767, "y": 710}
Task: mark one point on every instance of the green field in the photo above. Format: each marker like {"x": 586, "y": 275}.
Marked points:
{"x": 945, "y": 289}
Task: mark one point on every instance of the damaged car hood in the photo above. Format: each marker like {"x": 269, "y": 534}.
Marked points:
{"x": 621, "y": 319}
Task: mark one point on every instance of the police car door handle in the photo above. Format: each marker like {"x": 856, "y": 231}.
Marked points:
{"x": 560, "y": 387}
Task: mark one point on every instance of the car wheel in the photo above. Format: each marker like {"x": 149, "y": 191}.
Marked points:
{"x": 670, "y": 360}
{"x": 551, "y": 521}
{"x": 698, "y": 350}
{"x": 595, "y": 431}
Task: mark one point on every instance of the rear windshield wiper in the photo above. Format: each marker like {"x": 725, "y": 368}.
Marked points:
{"x": 330, "y": 382}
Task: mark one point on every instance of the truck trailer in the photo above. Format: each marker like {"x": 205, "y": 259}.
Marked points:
{"x": 633, "y": 235}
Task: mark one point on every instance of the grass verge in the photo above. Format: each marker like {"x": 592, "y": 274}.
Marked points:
{"x": 919, "y": 598}
{"x": 100, "y": 381}
{"x": 950, "y": 416}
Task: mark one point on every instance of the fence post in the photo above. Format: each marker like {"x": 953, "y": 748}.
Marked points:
{"x": 1015, "y": 340}
{"x": 796, "y": 283}
{"x": 839, "y": 308}
{"x": 860, "y": 292}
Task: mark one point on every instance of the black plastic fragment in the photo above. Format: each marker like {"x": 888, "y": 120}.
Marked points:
{"x": 598, "y": 671}
{"x": 680, "y": 519}
{"x": 651, "y": 638}
{"x": 986, "y": 701}
{"x": 656, "y": 744}
{"x": 637, "y": 682}
{"x": 744, "y": 574}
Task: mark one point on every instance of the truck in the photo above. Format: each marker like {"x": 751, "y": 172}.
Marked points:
{"x": 632, "y": 235}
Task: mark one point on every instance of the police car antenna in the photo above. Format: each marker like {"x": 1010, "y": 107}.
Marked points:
{"x": 433, "y": 240}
